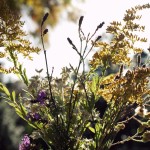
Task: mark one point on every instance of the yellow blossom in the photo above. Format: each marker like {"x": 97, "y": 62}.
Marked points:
{"x": 12, "y": 38}
{"x": 131, "y": 87}
{"x": 122, "y": 43}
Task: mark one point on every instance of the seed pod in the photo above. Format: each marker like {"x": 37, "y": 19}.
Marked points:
{"x": 117, "y": 77}
{"x": 45, "y": 31}
{"x": 69, "y": 40}
{"x": 44, "y": 18}
{"x": 71, "y": 43}
{"x": 80, "y": 21}
{"x": 143, "y": 66}
{"x": 139, "y": 60}
{"x": 100, "y": 25}
{"x": 98, "y": 38}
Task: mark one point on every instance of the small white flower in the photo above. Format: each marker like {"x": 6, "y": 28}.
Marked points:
{"x": 141, "y": 111}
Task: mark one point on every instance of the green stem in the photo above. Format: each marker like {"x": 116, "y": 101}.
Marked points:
{"x": 49, "y": 78}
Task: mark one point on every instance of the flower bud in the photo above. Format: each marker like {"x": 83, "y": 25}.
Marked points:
{"x": 44, "y": 18}
{"x": 100, "y": 25}
{"x": 45, "y": 31}
{"x": 80, "y": 21}
{"x": 98, "y": 38}
{"x": 25, "y": 144}
{"x": 119, "y": 127}
{"x": 146, "y": 136}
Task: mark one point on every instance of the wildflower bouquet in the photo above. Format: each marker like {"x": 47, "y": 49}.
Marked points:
{"x": 81, "y": 110}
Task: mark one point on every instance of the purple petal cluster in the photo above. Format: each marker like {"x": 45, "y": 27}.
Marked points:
{"x": 33, "y": 116}
{"x": 25, "y": 144}
{"x": 41, "y": 97}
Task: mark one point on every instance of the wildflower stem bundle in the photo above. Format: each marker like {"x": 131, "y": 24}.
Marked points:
{"x": 86, "y": 109}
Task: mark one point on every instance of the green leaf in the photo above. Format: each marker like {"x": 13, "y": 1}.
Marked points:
{"x": 23, "y": 109}
{"x": 88, "y": 124}
{"x": 11, "y": 104}
{"x": 20, "y": 68}
{"x": 95, "y": 85}
{"x": 32, "y": 125}
{"x": 19, "y": 112}
{"x": 98, "y": 127}
{"x": 13, "y": 96}
{"x": 4, "y": 89}
{"x": 91, "y": 129}
{"x": 25, "y": 77}
{"x": 148, "y": 122}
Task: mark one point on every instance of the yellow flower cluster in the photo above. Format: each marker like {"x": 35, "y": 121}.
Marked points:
{"x": 110, "y": 54}
{"x": 131, "y": 88}
{"x": 12, "y": 38}
{"x": 122, "y": 42}
{"x": 4, "y": 70}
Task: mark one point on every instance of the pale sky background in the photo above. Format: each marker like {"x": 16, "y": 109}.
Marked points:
{"x": 60, "y": 53}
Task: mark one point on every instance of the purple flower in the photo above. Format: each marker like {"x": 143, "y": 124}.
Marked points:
{"x": 41, "y": 97}
{"x": 28, "y": 116}
{"x": 25, "y": 143}
{"x": 36, "y": 116}
{"x": 33, "y": 116}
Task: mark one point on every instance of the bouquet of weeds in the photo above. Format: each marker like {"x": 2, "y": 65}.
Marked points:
{"x": 81, "y": 110}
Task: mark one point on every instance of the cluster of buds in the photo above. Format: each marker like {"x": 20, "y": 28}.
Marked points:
{"x": 40, "y": 103}
{"x": 25, "y": 143}
{"x": 41, "y": 98}
{"x": 33, "y": 116}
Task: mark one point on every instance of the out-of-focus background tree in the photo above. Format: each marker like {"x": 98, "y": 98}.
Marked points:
{"x": 36, "y": 9}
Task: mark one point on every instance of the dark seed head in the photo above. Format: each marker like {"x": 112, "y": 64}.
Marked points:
{"x": 139, "y": 60}
{"x": 117, "y": 77}
{"x": 80, "y": 21}
{"x": 100, "y": 25}
{"x": 44, "y": 18}
{"x": 45, "y": 31}
{"x": 98, "y": 38}
{"x": 144, "y": 66}
{"x": 70, "y": 42}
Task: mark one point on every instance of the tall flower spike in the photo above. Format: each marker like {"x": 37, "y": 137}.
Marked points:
{"x": 100, "y": 25}
{"x": 71, "y": 43}
{"x": 44, "y": 18}
{"x": 80, "y": 21}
